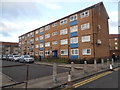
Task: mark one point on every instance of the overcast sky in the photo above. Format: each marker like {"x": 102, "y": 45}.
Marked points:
{"x": 21, "y": 16}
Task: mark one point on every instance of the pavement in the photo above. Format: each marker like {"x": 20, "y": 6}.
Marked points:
{"x": 62, "y": 78}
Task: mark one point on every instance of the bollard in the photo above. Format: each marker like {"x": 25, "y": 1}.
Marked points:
{"x": 85, "y": 67}
{"x": 69, "y": 82}
{"x": 107, "y": 63}
{"x": 111, "y": 67}
{"x": 55, "y": 73}
{"x": 72, "y": 69}
{"x": 102, "y": 63}
{"x": 95, "y": 65}
{"x": 112, "y": 61}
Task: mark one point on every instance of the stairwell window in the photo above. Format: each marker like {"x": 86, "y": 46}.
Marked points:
{"x": 85, "y": 26}
{"x": 36, "y": 32}
{"x": 74, "y": 40}
{"x": 73, "y": 18}
{"x": 84, "y": 14}
{"x": 74, "y": 51}
{"x": 41, "y": 37}
{"x": 85, "y": 38}
{"x": 41, "y": 45}
{"x": 64, "y": 21}
{"x": 64, "y": 31}
{"x": 41, "y": 29}
{"x": 86, "y": 51}
{"x": 74, "y": 28}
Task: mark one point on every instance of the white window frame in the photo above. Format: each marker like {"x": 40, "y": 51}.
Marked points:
{"x": 64, "y": 41}
{"x": 85, "y": 38}
{"x": 74, "y": 40}
{"x": 65, "y": 51}
{"x": 85, "y": 26}
{"x": 28, "y": 35}
{"x": 115, "y": 39}
{"x": 54, "y": 33}
{"x": 41, "y": 37}
{"x": 73, "y": 17}
{"x": 41, "y": 53}
{"x": 36, "y": 32}
{"x": 63, "y": 31}
{"x": 54, "y": 42}
{"x": 36, "y": 39}
{"x": 83, "y": 14}
{"x": 36, "y": 46}
{"x": 73, "y": 51}
{"x": 84, "y": 51}
{"x": 48, "y": 53}
{"x": 47, "y": 27}
{"x": 116, "y": 48}
{"x": 64, "y": 21}
{"x": 116, "y": 43}
{"x": 47, "y": 44}
{"x": 54, "y": 24}
{"x": 41, "y": 29}
{"x": 47, "y": 36}
{"x": 41, "y": 45}
{"x": 74, "y": 28}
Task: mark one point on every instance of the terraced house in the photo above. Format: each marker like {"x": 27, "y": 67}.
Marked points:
{"x": 83, "y": 34}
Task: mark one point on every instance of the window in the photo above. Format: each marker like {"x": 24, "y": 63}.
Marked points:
{"x": 54, "y": 24}
{"x": 116, "y": 43}
{"x": 36, "y": 39}
{"x": 64, "y": 52}
{"x": 85, "y": 38}
{"x": 84, "y": 14}
{"x": 63, "y": 32}
{"x": 41, "y": 29}
{"x": 47, "y": 44}
{"x": 47, "y": 52}
{"x": 54, "y": 33}
{"x": 74, "y": 29}
{"x": 73, "y": 18}
{"x": 116, "y": 47}
{"x": 27, "y": 35}
{"x": 115, "y": 39}
{"x": 41, "y": 53}
{"x": 74, "y": 51}
{"x": 36, "y": 46}
{"x": 85, "y": 26}
{"x": 36, "y": 53}
{"x": 41, "y": 37}
{"x": 41, "y": 45}
{"x": 64, "y": 41}
{"x": 54, "y": 42}
{"x": 47, "y": 36}
{"x": 47, "y": 27}
{"x": 86, "y": 51}
{"x": 22, "y": 37}
{"x": 64, "y": 21}
{"x": 36, "y": 32}
{"x": 74, "y": 40}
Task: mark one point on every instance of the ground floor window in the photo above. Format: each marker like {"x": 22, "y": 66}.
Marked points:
{"x": 64, "y": 52}
{"x": 86, "y": 51}
{"x": 74, "y": 51}
{"x": 47, "y": 52}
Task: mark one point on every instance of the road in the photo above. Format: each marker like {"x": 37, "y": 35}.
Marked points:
{"x": 107, "y": 79}
{"x": 18, "y": 73}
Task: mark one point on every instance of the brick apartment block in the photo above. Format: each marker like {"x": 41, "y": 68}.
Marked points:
{"x": 83, "y": 34}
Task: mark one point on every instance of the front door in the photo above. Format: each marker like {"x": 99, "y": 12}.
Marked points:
{"x": 54, "y": 53}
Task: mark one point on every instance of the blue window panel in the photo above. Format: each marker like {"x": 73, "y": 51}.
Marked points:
{"x": 74, "y": 45}
{"x": 41, "y": 33}
{"x": 31, "y": 49}
{"x": 41, "y": 49}
{"x": 74, "y": 56}
{"x": 73, "y": 23}
{"x": 41, "y": 41}
{"x": 73, "y": 34}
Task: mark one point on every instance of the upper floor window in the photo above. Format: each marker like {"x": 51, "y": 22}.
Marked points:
{"x": 54, "y": 24}
{"x": 85, "y": 38}
{"x": 64, "y": 41}
{"x": 47, "y": 36}
{"x": 86, "y": 51}
{"x": 36, "y": 32}
{"x": 47, "y": 44}
{"x": 63, "y": 32}
{"x": 85, "y": 26}
{"x": 47, "y": 27}
{"x": 41, "y": 29}
{"x": 116, "y": 43}
{"x": 73, "y": 18}
{"x": 84, "y": 14}
{"x": 54, "y": 33}
{"x": 74, "y": 40}
{"x": 41, "y": 37}
{"x": 27, "y": 35}
{"x": 115, "y": 39}
{"x": 54, "y": 42}
{"x": 36, "y": 46}
{"x": 37, "y": 39}
{"x": 74, "y": 51}
{"x": 41, "y": 45}
{"x": 64, "y": 21}
{"x": 116, "y": 48}
{"x": 23, "y": 37}
{"x": 74, "y": 28}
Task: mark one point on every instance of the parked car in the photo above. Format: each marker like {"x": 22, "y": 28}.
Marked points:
{"x": 10, "y": 57}
{"x": 4, "y": 57}
{"x": 26, "y": 58}
{"x": 15, "y": 58}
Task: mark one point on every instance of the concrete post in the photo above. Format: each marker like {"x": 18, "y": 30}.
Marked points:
{"x": 85, "y": 66}
{"x": 55, "y": 73}
{"x": 102, "y": 63}
{"x": 95, "y": 65}
{"x": 107, "y": 63}
{"x": 72, "y": 69}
